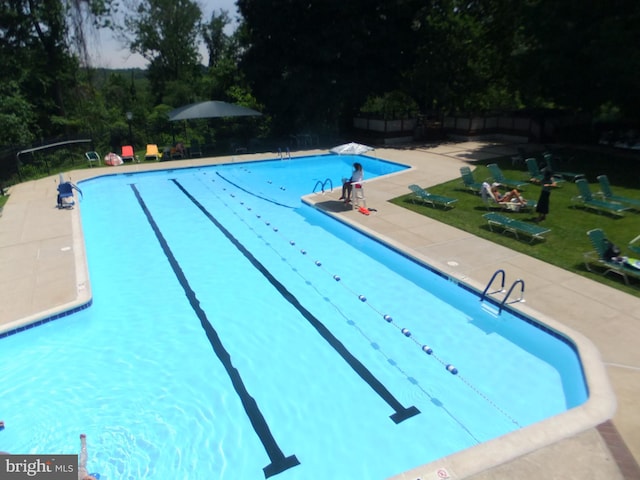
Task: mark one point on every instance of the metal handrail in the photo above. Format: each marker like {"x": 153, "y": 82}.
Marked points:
{"x": 323, "y": 185}
{"x": 518, "y": 281}
{"x": 493, "y": 277}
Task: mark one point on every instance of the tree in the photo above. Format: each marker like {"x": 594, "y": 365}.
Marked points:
{"x": 581, "y": 55}
{"x": 313, "y": 63}
{"x": 17, "y": 118}
{"x": 463, "y": 54}
{"x": 165, "y": 32}
{"x": 39, "y": 66}
{"x": 218, "y": 43}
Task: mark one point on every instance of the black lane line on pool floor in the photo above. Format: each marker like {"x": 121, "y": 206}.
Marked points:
{"x": 253, "y": 194}
{"x": 401, "y": 412}
{"x": 279, "y": 463}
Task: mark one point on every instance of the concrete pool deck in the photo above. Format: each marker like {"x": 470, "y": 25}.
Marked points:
{"x": 45, "y": 273}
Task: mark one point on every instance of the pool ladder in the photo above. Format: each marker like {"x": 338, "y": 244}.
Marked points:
{"x": 323, "y": 185}
{"x": 282, "y": 155}
{"x": 502, "y": 274}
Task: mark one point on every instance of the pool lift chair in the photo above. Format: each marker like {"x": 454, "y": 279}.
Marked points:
{"x": 65, "y": 193}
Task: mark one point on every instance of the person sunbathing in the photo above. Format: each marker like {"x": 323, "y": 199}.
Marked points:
{"x": 510, "y": 196}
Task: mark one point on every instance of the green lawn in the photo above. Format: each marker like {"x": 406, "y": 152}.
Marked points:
{"x": 567, "y": 241}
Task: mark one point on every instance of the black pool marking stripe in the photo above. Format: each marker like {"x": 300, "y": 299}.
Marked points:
{"x": 252, "y": 193}
{"x": 401, "y": 412}
{"x": 279, "y": 463}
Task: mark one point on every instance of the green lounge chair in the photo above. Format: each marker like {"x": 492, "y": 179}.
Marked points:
{"x": 548, "y": 157}
{"x": 469, "y": 181}
{"x": 634, "y": 245}
{"x": 601, "y": 245}
{"x": 535, "y": 175}
{"x": 499, "y": 177}
{"x": 434, "y": 200}
{"x": 516, "y": 227}
{"x": 607, "y": 193}
{"x": 92, "y": 157}
{"x": 586, "y": 199}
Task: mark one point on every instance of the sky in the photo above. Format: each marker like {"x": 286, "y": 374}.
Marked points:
{"x": 108, "y": 52}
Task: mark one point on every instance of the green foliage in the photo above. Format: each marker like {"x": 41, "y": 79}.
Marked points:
{"x": 219, "y": 45}
{"x": 17, "y": 119}
{"x": 391, "y": 105}
{"x": 165, "y": 32}
{"x": 567, "y": 242}
{"x": 580, "y": 55}
{"x": 312, "y": 77}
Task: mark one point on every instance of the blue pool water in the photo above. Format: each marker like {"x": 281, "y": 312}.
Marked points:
{"x": 236, "y": 333}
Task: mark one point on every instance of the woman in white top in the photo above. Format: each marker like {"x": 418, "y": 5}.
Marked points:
{"x": 356, "y": 177}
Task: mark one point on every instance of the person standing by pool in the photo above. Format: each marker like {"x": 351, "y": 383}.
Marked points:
{"x": 543, "y": 202}
{"x": 83, "y": 474}
{"x": 356, "y": 177}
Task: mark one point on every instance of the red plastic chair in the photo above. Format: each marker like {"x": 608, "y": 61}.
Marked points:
{"x": 127, "y": 154}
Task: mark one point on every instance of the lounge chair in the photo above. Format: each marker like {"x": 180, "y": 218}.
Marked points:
{"x": 92, "y": 157}
{"x": 499, "y": 177}
{"x": 586, "y": 199}
{"x": 548, "y": 157}
{"x": 421, "y": 194}
{"x": 65, "y": 193}
{"x": 490, "y": 200}
{"x": 469, "y": 181}
{"x": 194, "y": 149}
{"x": 127, "y": 154}
{"x": 601, "y": 245}
{"x": 634, "y": 245}
{"x": 152, "y": 153}
{"x": 535, "y": 175}
{"x": 607, "y": 193}
{"x": 516, "y": 227}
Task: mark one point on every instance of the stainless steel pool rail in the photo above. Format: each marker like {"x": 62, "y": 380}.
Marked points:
{"x": 502, "y": 273}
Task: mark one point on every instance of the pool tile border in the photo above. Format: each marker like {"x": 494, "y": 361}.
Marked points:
{"x": 47, "y": 319}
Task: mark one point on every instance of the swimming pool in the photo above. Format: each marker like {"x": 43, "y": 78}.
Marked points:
{"x": 231, "y": 248}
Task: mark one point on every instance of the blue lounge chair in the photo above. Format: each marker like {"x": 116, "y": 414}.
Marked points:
{"x": 499, "y": 177}
{"x": 586, "y": 199}
{"x": 516, "y": 227}
{"x": 601, "y": 256}
{"x": 65, "y": 193}
{"x": 469, "y": 181}
{"x": 434, "y": 200}
{"x": 607, "y": 193}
